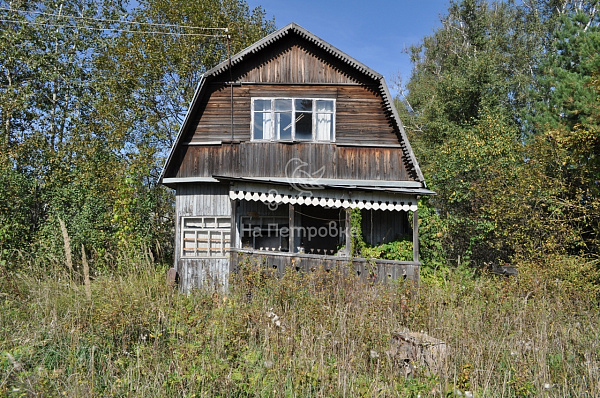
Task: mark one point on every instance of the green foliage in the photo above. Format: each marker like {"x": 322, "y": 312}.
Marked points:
{"x": 567, "y": 97}
{"x": 139, "y": 337}
{"x": 467, "y": 88}
{"x": 567, "y": 126}
{"x": 400, "y": 250}
{"x": 502, "y": 112}
{"x": 358, "y": 243}
{"x": 433, "y": 238}
{"x": 17, "y": 210}
{"x": 87, "y": 118}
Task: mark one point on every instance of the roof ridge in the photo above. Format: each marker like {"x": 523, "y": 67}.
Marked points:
{"x": 280, "y": 33}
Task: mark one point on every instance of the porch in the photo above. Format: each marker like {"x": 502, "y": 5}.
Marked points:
{"x": 287, "y": 228}
{"x": 282, "y": 227}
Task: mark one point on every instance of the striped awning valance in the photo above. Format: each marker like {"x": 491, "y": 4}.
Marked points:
{"x": 330, "y": 200}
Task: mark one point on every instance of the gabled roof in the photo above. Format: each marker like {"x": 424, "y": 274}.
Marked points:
{"x": 269, "y": 40}
{"x": 300, "y": 31}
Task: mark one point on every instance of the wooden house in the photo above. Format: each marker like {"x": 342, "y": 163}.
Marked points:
{"x": 280, "y": 142}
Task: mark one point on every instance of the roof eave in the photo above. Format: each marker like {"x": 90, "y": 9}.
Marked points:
{"x": 183, "y": 127}
{"x": 387, "y": 98}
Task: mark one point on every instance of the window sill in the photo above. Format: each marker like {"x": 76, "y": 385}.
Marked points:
{"x": 292, "y": 142}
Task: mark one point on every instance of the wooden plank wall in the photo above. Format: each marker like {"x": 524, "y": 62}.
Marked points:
{"x": 253, "y": 159}
{"x": 294, "y": 68}
{"x": 367, "y": 270}
{"x": 208, "y": 273}
{"x": 296, "y": 62}
{"x": 206, "y": 200}
{"x": 360, "y": 115}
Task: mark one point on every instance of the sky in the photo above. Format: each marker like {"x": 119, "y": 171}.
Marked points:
{"x": 375, "y": 32}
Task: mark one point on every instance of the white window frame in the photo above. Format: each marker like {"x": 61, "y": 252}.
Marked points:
{"x": 273, "y": 133}
{"x": 205, "y": 236}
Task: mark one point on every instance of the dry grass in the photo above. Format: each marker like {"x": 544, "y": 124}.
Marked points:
{"x": 323, "y": 334}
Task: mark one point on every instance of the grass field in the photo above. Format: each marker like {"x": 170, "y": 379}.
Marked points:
{"x": 323, "y": 334}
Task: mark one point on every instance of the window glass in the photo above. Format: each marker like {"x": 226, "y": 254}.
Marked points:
{"x": 293, "y": 119}
{"x": 324, "y": 127}
{"x": 283, "y": 105}
{"x": 303, "y": 126}
{"x": 324, "y": 124}
{"x": 262, "y": 105}
{"x": 283, "y": 125}
{"x": 304, "y": 105}
{"x": 324, "y": 106}
{"x": 259, "y": 126}
{"x": 263, "y": 126}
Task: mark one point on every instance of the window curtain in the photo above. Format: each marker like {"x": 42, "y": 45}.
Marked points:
{"x": 263, "y": 126}
{"x": 267, "y": 126}
{"x": 324, "y": 127}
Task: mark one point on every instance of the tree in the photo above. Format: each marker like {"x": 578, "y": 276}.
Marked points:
{"x": 147, "y": 82}
{"x": 463, "y": 110}
{"x": 502, "y": 110}
{"x": 566, "y": 123}
{"x": 91, "y": 99}
{"x": 46, "y": 101}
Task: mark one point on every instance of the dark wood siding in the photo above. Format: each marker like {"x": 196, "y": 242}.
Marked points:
{"x": 360, "y": 118}
{"x": 252, "y": 159}
{"x": 367, "y": 145}
{"x": 368, "y": 270}
{"x": 294, "y": 70}
{"x": 292, "y": 63}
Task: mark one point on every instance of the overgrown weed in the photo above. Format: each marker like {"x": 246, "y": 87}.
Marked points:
{"x": 318, "y": 334}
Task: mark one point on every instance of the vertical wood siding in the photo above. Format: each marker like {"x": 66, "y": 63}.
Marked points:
{"x": 367, "y": 270}
{"x": 201, "y": 200}
{"x": 292, "y": 62}
{"x": 253, "y": 159}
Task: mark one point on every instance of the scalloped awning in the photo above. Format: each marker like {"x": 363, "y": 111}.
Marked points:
{"x": 331, "y": 200}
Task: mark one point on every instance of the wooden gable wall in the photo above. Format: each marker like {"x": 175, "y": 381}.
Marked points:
{"x": 292, "y": 69}
{"x": 367, "y": 145}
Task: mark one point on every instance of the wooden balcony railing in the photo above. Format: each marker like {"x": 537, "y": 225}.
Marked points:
{"x": 373, "y": 270}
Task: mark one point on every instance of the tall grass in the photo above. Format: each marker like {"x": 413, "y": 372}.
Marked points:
{"x": 323, "y": 334}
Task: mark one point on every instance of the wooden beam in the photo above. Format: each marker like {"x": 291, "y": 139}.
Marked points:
{"x": 233, "y": 234}
{"x": 348, "y": 232}
{"x": 416, "y": 237}
{"x": 291, "y": 224}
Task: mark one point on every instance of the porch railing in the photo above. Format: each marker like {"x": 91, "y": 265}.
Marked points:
{"x": 373, "y": 270}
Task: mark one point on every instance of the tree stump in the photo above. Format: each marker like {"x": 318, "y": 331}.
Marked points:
{"x": 172, "y": 277}
{"x": 410, "y": 349}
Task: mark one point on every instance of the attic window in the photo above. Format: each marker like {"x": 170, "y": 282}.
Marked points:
{"x": 293, "y": 119}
